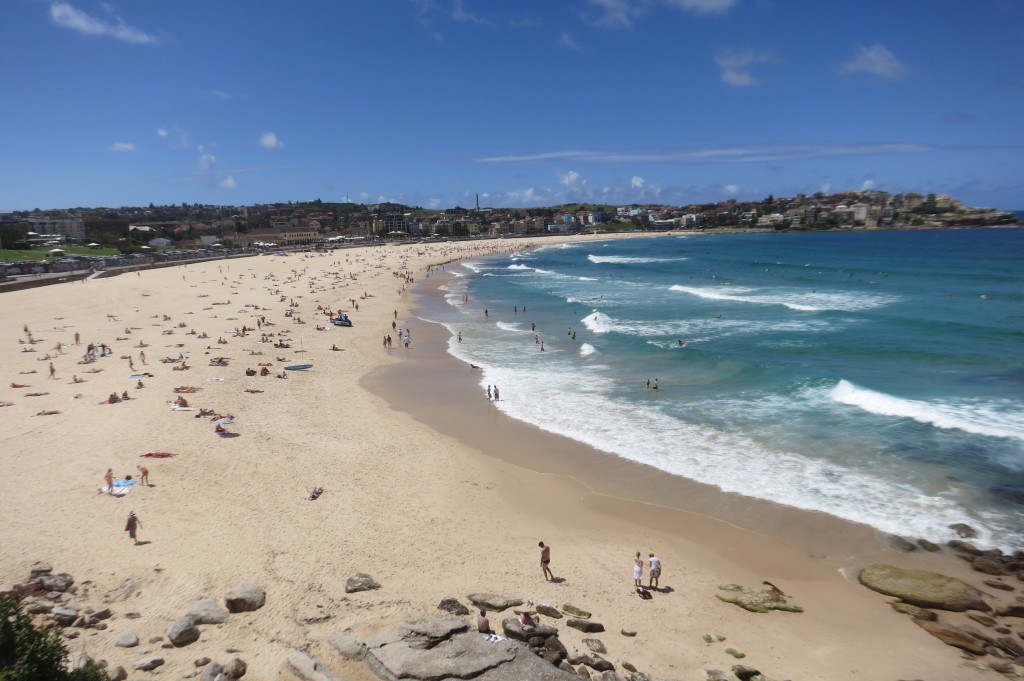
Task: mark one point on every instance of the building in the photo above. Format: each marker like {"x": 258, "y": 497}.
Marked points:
{"x": 67, "y": 228}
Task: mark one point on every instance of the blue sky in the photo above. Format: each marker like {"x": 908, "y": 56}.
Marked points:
{"x": 526, "y": 102}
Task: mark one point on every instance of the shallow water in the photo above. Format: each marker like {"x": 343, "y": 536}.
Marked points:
{"x": 876, "y": 376}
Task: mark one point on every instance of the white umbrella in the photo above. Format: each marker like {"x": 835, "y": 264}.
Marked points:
{"x": 147, "y": 247}
{"x": 92, "y": 245}
{"x": 56, "y": 250}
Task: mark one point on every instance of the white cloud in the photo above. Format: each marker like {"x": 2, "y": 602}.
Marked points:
{"x": 228, "y": 182}
{"x": 751, "y": 154}
{"x": 570, "y": 179}
{"x": 637, "y": 182}
{"x": 568, "y": 42}
{"x": 826, "y": 187}
{"x": 122, "y": 146}
{"x": 269, "y": 140}
{"x": 702, "y": 6}
{"x": 162, "y": 132}
{"x": 67, "y": 16}
{"x": 433, "y": 203}
{"x": 877, "y": 61}
{"x": 180, "y": 137}
{"x": 363, "y": 196}
{"x": 868, "y": 184}
{"x": 206, "y": 159}
{"x": 732, "y": 189}
{"x": 460, "y": 13}
{"x": 735, "y": 65}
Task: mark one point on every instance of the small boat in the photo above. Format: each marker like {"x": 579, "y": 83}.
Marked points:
{"x": 298, "y": 367}
{"x": 341, "y": 320}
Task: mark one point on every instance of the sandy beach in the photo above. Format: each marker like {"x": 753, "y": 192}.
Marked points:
{"x": 427, "y": 487}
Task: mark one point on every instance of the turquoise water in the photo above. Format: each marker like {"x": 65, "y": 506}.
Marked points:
{"x": 875, "y": 376}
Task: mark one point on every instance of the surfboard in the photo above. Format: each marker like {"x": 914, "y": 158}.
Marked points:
{"x": 299, "y": 367}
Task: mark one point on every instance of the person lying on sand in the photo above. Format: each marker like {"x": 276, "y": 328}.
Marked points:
{"x": 47, "y": 412}
{"x": 314, "y": 493}
{"x": 5, "y": 403}
{"x": 35, "y": 394}
{"x": 20, "y": 385}
{"x": 186, "y": 389}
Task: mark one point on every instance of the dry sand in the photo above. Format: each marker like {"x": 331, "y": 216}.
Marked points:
{"x": 428, "y": 488}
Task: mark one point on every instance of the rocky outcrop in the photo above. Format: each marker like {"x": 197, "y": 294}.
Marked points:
{"x": 586, "y": 626}
{"x": 755, "y": 601}
{"x": 435, "y": 648}
{"x": 512, "y": 628}
{"x": 360, "y": 582}
{"x": 549, "y": 611}
{"x": 576, "y": 612}
{"x": 493, "y": 602}
{"x": 923, "y": 588}
{"x": 913, "y": 611}
{"x": 953, "y": 636}
{"x": 245, "y": 598}
{"x": 308, "y": 668}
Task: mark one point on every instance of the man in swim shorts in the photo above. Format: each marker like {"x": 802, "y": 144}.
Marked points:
{"x": 655, "y": 570}
{"x": 545, "y": 561}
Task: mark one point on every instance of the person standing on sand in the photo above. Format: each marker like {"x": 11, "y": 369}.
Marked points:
{"x": 545, "y": 561}
{"x": 488, "y": 392}
{"x": 108, "y": 478}
{"x": 638, "y": 570}
{"x": 53, "y": 372}
{"x": 144, "y": 479}
{"x": 132, "y": 526}
{"x": 655, "y": 570}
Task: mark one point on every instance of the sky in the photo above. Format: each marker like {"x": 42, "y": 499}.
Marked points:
{"x": 522, "y": 102}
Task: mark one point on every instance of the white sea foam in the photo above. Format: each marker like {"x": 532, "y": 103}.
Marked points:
{"x": 732, "y": 462}
{"x": 588, "y": 279}
{"x": 980, "y": 419}
{"x": 519, "y": 267}
{"x": 598, "y": 322}
{"x": 587, "y": 349}
{"x": 793, "y": 299}
{"x": 625, "y": 260}
{"x": 507, "y": 326}
{"x": 474, "y": 267}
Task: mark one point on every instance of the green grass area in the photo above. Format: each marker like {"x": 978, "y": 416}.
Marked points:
{"x": 13, "y": 255}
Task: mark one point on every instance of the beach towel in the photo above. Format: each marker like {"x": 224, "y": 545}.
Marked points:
{"x": 124, "y": 483}
{"x": 214, "y": 379}
{"x": 118, "y": 491}
{"x": 494, "y": 638}
{"x": 175, "y": 407}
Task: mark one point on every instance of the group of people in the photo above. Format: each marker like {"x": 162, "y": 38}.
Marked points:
{"x": 493, "y": 393}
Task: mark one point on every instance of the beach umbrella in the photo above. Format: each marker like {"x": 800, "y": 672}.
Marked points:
{"x": 93, "y": 245}
{"x": 226, "y": 421}
{"x": 55, "y": 250}
{"x": 146, "y": 247}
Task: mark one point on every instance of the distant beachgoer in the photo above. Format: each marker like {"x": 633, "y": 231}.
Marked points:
{"x": 77, "y": 338}
{"x": 486, "y": 313}
{"x": 545, "y": 561}
{"x": 496, "y": 394}
{"x": 483, "y": 625}
{"x": 648, "y": 384}
{"x": 144, "y": 480}
{"x": 108, "y": 478}
{"x": 460, "y": 336}
{"x": 655, "y": 386}
{"x": 132, "y": 526}
{"x": 53, "y": 371}
{"x": 655, "y": 570}
{"x": 488, "y": 392}
{"x": 525, "y": 620}
{"x": 638, "y": 570}
{"x": 315, "y": 492}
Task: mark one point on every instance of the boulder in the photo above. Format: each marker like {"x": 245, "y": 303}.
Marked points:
{"x": 61, "y": 582}
{"x": 245, "y": 598}
{"x": 990, "y": 566}
{"x": 953, "y": 635}
{"x": 148, "y": 663}
{"x": 983, "y": 620}
{"x": 360, "y": 582}
{"x": 964, "y": 531}
{"x": 744, "y": 673}
{"x": 595, "y": 662}
{"x": 103, "y": 614}
{"x": 549, "y": 611}
{"x": 901, "y": 544}
{"x": 928, "y": 546}
{"x": 596, "y": 645}
{"x": 308, "y": 668}
{"x": 117, "y": 674}
{"x": 516, "y": 631}
{"x": 129, "y": 639}
{"x": 629, "y": 633}
{"x": 64, "y": 615}
{"x": 612, "y": 676}
{"x": 493, "y": 602}
{"x": 211, "y": 671}
{"x": 1002, "y": 586}
{"x": 39, "y": 568}
{"x": 576, "y": 612}
{"x": 913, "y": 611}
{"x": 236, "y": 668}
{"x": 586, "y": 626}
{"x": 36, "y": 606}
{"x": 453, "y": 606}
{"x": 923, "y": 588}
{"x": 964, "y": 547}
{"x": 754, "y": 601}
{"x": 206, "y": 611}
{"x": 183, "y": 632}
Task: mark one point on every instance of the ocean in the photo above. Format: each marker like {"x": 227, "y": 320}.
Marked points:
{"x": 874, "y": 376}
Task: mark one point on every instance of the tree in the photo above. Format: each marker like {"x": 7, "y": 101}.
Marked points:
{"x": 30, "y": 654}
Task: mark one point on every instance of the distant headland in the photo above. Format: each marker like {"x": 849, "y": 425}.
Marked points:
{"x": 307, "y": 223}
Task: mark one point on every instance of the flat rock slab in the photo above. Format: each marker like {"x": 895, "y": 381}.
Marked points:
{"x": 308, "y": 668}
{"x": 207, "y": 611}
{"x": 596, "y": 645}
{"x": 514, "y": 629}
{"x": 923, "y": 588}
{"x": 754, "y": 601}
{"x": 955, "y": 636}
{"x": 148, "y": 663}
{"x": 586, "y": 626}
{"x": 494, "y": 602}
{"x": 437, "y": 628}
{"x": 576, "y": 612}
{"x": 549, "y": 611}
{"x": 453, "y": 606}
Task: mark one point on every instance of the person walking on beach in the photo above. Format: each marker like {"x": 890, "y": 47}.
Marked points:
{"x": 638, "y": 570}
{"x": 655, "y": 570}
{"x": 108, "y": 478}
{"x": 53, "y": 371}
{"x": 488, "y": 392}
{"x": 545, "y": 561}
{"x": 132, "y": 526}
